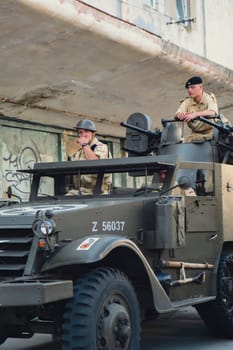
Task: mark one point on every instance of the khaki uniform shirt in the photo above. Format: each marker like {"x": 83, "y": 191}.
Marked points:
{"x": 101, "y": 150}
{"x": 200, "y": 130}
{"x": 87, "y": 183}
{"x": 189, "y": 192}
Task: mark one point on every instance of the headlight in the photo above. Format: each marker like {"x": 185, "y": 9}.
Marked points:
{"x": 43, "y": 227}
{"x": 46, "y": 227}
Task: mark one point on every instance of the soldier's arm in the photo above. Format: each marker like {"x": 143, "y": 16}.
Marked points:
{"x": 182, "y": 110}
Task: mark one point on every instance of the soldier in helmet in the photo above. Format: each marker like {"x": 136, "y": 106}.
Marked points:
{"x": 90, "y": 148}
{"x": 199, "y": 103}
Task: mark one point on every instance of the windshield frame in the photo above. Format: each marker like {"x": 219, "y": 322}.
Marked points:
{"x": 133, "y": 166}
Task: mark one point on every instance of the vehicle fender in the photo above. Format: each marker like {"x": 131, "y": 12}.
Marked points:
{"x": 94, "y": 248}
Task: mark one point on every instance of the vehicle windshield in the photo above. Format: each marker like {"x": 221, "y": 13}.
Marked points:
{"x": 114, "y": 184}
{"x": 109, "y": 178}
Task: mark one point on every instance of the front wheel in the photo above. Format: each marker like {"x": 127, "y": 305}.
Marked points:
{"x": 218, "y": 314}
{"x": 103, "y": 313}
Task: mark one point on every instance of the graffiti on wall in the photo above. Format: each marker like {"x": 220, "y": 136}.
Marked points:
{"x": 25, "y": 159}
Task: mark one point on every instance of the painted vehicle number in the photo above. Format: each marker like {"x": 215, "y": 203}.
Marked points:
{"x": 108, "y": 226}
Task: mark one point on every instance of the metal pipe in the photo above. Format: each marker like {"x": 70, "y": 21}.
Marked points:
{"x": 187, "y": 265}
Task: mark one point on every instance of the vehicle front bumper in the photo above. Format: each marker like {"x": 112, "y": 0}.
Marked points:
{"x": 34, "y": 292}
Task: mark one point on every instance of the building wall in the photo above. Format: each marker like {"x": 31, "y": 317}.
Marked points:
{"x": 21, "y": 145}
{"x": 196, "y": 25}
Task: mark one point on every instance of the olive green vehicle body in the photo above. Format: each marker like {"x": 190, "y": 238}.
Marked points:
{"x": 168, "y": 245}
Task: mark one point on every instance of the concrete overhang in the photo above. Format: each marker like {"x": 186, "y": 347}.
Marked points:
{"x": 62, "y": 59}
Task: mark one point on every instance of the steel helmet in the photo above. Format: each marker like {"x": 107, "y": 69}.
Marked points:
{"x": 86, "y": 124}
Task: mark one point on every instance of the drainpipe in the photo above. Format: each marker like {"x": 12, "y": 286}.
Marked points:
{"x": 204, "y": 27}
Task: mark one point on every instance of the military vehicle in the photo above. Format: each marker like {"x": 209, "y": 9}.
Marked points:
{"x": 90, "y": 268}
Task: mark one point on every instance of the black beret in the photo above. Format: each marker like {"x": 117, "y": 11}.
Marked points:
{"x": 193, "y": 81}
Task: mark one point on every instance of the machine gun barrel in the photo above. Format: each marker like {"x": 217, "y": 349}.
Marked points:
{"x": 143, "y": 131}
{"x": 227, "y": 129}
{"x": 174, "y": 120}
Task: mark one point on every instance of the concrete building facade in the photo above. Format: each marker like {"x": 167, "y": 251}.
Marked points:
{"x": 199, "y": 26}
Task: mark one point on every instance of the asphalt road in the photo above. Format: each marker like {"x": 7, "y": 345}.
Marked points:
{"x": 180, "y": 331}
{"x": 183, "y": 330}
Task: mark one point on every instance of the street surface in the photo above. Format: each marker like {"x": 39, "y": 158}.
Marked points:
{"x": 180, "y": 331}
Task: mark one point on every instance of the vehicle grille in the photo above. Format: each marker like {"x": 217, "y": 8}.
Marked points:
{"x": 15, "y": 245}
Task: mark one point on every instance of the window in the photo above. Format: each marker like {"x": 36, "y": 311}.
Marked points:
{"x": 182, "y": 9}
{"x": 180, "y": 12}
{"x": 151, "y": 3}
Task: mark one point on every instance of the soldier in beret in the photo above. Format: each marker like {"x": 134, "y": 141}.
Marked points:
{"x": 198, "y": 104}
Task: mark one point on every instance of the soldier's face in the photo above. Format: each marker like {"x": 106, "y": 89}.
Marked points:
{"x": 195, "y": 90}
{"x": 87, "y": 134}
{"x": 162, "y": 174}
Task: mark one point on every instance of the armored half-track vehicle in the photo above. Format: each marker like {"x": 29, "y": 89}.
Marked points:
{"x": 89, "y": 268}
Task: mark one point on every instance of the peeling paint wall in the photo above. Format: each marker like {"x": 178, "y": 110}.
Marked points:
{"x": 20, "y": 147}
{"x": 75, "y": 61}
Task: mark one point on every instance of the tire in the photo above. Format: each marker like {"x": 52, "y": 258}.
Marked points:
{"x": 218, "y": 314}
{"x": 103, "y": 313}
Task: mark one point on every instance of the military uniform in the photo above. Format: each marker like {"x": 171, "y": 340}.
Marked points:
{"x": 87, "y": 183}
{"x": 189, "y": 192}
{"x": 200, "y": 130}
{"x": 99, "y": 148}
